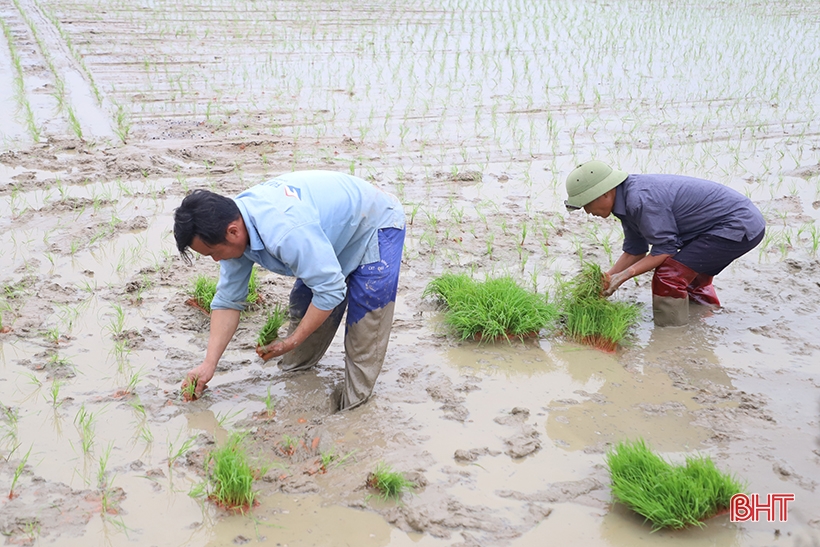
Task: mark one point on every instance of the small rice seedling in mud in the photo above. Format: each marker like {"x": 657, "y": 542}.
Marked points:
{"x": 270, "y": 330}
{"x": 669, "y": 496}
{"x": 54, "y": 394}
{"x": 84, "y": 421}
{"x": 17, "y": 472}
{"x": 330, "y": 460}
{"x": 188, "y": 391}
{"x": 270, "y": 405}
{"x": 490, "y": 310}
{"x": 176, "y": 453}
{"x": 391, "y": 484}
{"x": 590, "y": 318}
{"x": 229, "y": 475}
{"x": 288, "y": 445}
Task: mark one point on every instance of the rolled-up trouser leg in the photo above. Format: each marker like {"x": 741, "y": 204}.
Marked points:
{"x": 670, "y": 300}
{"x": 314, "y": 347}
{"x": 371, "y": 290}
{"x": 365, "y": 347}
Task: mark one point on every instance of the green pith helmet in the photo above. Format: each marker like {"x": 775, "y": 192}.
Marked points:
{"x": 590, "y": 181}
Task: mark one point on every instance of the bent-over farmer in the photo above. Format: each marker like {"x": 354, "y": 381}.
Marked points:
{"x": 339, "y": 236}
{"x": 695, "y": 228}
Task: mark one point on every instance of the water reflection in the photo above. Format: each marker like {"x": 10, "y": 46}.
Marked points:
{"x": 526, "y": 358}
{"x": 644, "y": 392}
{"x": 621, "y": 527}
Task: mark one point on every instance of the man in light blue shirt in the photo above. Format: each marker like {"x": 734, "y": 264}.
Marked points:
{"x": 342, "y": 239}
{"x": 695, "y": 228}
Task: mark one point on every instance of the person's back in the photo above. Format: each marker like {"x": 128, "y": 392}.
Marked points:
{"x": 686, "y": 207}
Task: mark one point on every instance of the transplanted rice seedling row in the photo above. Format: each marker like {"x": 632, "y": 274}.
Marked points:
{"x": 669, "y": 496}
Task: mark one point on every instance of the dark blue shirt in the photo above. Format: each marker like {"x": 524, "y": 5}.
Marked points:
{"x": 668, "y": 211}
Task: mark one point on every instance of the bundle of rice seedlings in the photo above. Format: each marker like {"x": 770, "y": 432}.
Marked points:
{"x": 391, "y": 484}
{"x": 270, "y": 330}
{"x": 203, "y": 291}
{"x": 229, "y": 475}
{"x": 590, "y": 318}
{"x": 493, "y": 309}
{"x": 669, "y": 496}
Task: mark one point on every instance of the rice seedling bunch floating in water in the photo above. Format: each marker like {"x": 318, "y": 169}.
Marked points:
{"x": 229, "y": 475}
{"x": 669, "y": 496}
{"x": 391, "y": 484}
{"x": 490, "y": 310}
{"x": 270, "y": 330}
{"x": 590, "y": 318}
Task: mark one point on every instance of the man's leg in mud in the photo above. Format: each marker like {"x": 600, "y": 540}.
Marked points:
{"x": 314, "y": 347}
{"x": 372, "y": 292}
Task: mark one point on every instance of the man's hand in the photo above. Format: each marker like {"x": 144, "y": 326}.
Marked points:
{"x": 199, "y": 378}
{"x": 613, "y": 281}
{"x": 275, "y": 349}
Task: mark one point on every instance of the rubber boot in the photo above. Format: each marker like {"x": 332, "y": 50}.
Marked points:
{"x": 701, "y": 291}
{"x": 670, "y": 299}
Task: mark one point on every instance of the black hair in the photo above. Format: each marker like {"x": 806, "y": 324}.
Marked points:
{"x": 203, "y": 214}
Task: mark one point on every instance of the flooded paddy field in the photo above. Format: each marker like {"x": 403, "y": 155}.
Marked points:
{"x": 472, "y": 114}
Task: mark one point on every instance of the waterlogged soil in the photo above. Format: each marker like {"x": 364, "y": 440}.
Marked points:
{"x": 505, "y": 442}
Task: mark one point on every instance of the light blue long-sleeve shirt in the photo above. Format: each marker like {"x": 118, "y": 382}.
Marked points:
{"x": 317, "y": 226}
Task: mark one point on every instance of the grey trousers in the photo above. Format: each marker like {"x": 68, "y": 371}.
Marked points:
{"x": 365, "y": 347}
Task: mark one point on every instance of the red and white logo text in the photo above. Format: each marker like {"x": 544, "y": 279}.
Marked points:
{"x": 772, "y": 508}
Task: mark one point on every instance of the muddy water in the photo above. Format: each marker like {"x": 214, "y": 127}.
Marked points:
{"x": 471, "y": 114}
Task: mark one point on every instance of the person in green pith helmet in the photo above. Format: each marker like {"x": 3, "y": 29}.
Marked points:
{"x": 695, "y": 229}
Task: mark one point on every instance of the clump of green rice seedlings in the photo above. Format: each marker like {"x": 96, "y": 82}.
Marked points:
{"x": 229, "y": 475}
{"x": 203, "y": 291}
{"x": 590, "y": 318}
{"x": 54, "y": 393}
{"x": 669, "y": 496}
{"x": 188, "y": 391}
{"x": 270, "y": 330}
{"x": 391, "y": 484}
{"x": 253, "y": 287}
{"x": 175, "y": 453}
{"x": 84, "y": 421}
{"x": 490, "y": 310}
{"x": 270, "y": 405}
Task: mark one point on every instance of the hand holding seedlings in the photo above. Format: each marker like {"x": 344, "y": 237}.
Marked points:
{"x": 274, "y": 349}
{"x": 267, "y": 342}
{"x": 196, "y": 381}
{"x": 613, "y": 281}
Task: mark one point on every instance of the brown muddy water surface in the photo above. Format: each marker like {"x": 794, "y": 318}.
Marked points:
{"x": 472, "y": 113}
